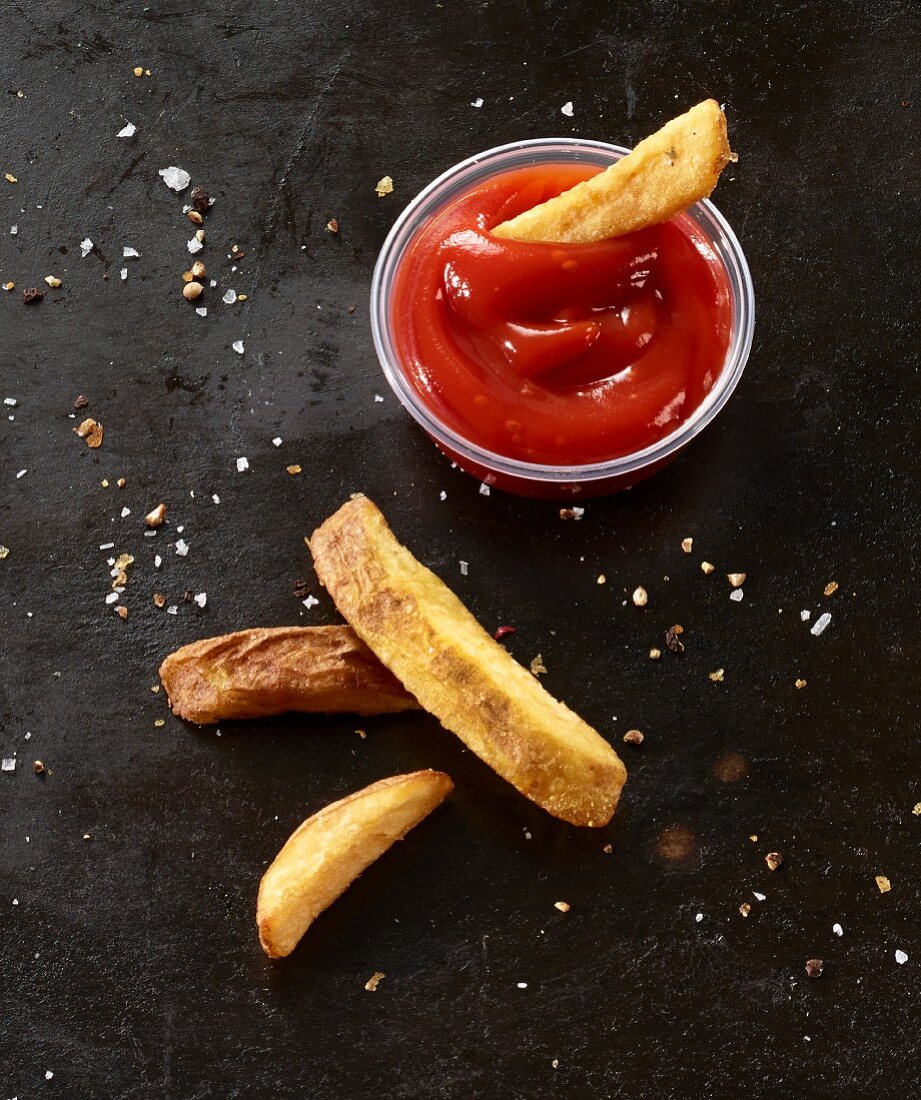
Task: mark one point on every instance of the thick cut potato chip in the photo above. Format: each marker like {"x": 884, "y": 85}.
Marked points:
{"x": 665, "y": 174}
{"x": 253, "y": 673}
{"x": 331, "y": 849}
{"x": 434, "y": 646}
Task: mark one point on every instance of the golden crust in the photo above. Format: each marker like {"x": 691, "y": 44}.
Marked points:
{"x": 430, "y": 641}
{"x": 665, "y": 174}
{"x": 330, "y": 850}
{"x": 254, "y": 673}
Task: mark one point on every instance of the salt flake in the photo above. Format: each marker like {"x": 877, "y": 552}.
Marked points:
{"x": 277, "y": 441}
{"x": 805, "y": 616}
{"x": 127, "y": 131}
{"x": 378, "y": 398}
{"x": 201, "y": 598}
{"x": 242, "y": 464}
{"x": 10, "y": 401}
{"x": 311, "y": 601}
{"x": 464, "y": 567}
{"x": 230, "y": 296}
{"x": 237, "y": 346}
{"x": 129, "y": 253}
{"x": 736, "y": 595}
{"x": 567, "y": 109}
{"x": 86, "y": 247}
{"x": 124, "y": 273}
{"x": 202, "y": 311}
{"x": 820, "y": 624}
{"x": 182, "y": 548}
{"x": 194, "y": 245}
{"x": 901, "y": 957}
{"x": 478, "y": 102}
{"x": 8, "y": 764}
{"x": 177, "y": 179}
{"x": 837, "y": 929}
{"x": 484, "y": 490}
{"x": 14, "y": 229}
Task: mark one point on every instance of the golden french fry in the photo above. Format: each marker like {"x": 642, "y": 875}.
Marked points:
{"x": 434, "y": 646}
{"x": 665, "y": 174}
{"x": 253, "y": 673}
{"x": 331, "y": 849}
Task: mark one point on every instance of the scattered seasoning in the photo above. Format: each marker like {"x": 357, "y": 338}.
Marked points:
{"x": 798, "y": 684}
{"x": 121, "y": 483}
{"x": 672, "y": 641}
{"x": 156, "y": 516}
{"x": 736, "y": 579}
{"x": 567, "y": 109}
{"x": 484, "y": 488}
{"x": 81, "y": 402}
{"x": 122, "y": 611}
{"x": 201, "y": 598}
{"x": 159, "y": 599}
{"x": 32, "y": 294}
{"x": 537, "y": 666}
{"x": 572, "y": 513}
{"x": 831, "y": 588}
{"x": 236, "y": 252}
{"x": 717, "y": 676}
{"x": 374, "y": 981}
{"x": 198, "y": 270}
{"x": 687, "y": 545}
{"x": 916, "y": 809}
{"x": 333, "y": 225}
{"x": 384, "y": 186}
{"x": 655, "y": 654}
{"x": 92, "y": 431}
{"x": 237, "y": 346}
{"x": 708, "y": 567}
{"x": 640, "y": 596}
{"x": 820, "y": 624}
{"x": 745, "y": 908}
{"x": 563, "y": 906}
{"x": 182, "y": 548}
{"x": 601, "y": 578}
{"x": 194, "y": 217}
{"x": 176, "y": 179}
{"x": 504, "y": 631}
{"x": 5, "y": 553}
{"x": 293, "y": 470}
{"x": 634, "y": 737}
{"x": 901, "y": 957}
{"x": 773, "y": 860}
{"x": 814, "y": 968}
{"x": 301, "y": 589}
{"x": 38, "y": 767}
{"x": 884, "y": 884}
{"x": 53, "y": 281}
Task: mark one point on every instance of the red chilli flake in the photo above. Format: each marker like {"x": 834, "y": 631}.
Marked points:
{"x": 503, "y": 632}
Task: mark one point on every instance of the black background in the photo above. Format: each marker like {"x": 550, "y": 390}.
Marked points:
{"x": 130, "y": 966}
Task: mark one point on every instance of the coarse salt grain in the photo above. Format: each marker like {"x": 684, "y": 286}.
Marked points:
{"x": 158, "y": 561}
{"x": 699, "y": 917}
{"x": 736, "y": 595}
{"x": 172, "y": 610}
{"x": 182, "y": 548}
{"x": 760, "y": 897}
{"x": 194, "y": 245}
{"x": 464, "y": 566}
{"x": 484, "y": 490}
{"x": 215, "y": 498}
{"x": 229, "y": 296}
{"x": 106, "y": 545}
{"x": 22, "y": 473}
{"x": 820, "y": 624}
{"x": 901, "y": 957}
{"x": 201, "y": 598}
{"x": 125, "y": 512}
{"x": 112, "y": 597}
{"x": 805, "y": 615}
{"x": 522, "y": 985}
{"x": 202, "y": 311}
{"x": 177, "y": 179}
{"x": 237, "y": 346}
{"x": 86, "y": 247}
{"x": 8, "y": 764}
{"x": 442, "y": 495}
{"x": 128, "y": 130}
{"x": 129, "y": 253}
{"x": 478, "y": 102}
{"x": 311, "y": 601}
{"x": 242, "y": 464}
{"x": 10, "y": 401}
{"x": 124, "y": 273}
{"x": 378, "y": 399}
{"x": 277, "y": 441}
{"x": 837, "y": 929}
{"x": 567, "y": 109}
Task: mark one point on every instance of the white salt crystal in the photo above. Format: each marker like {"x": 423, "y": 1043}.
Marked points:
{"x": 106, "y": 545}
{"x": 478, "y": 102}
{"x": 201, "y": 598}
{"x": 242, "y": 464}
{"x": 522, "y": 985}
{"x": 901, "y": 957}
{"x": 699, "y": 917}
{"x": 112, "y": 597}
{"x": 760, "y": 897}
{"x": 126, "y": 512}
{"x": 378, "y": 398}
{"x": 736, "y": 595}
{"x": 86, "y": 247}
{"x": 14, "y": 229}
{"x": 821, "y": 622}
{"x": 22, "y": 473}
{"x": 566, "y": 109}
{"x": 8, "y": 764}
{"x": 442, "y": 495}
{"x": 129, "y": 253}
{"x": 127, "y": 131}
{"x": 237, "y": 346}
{"x": 158, "y": 561}
{"x": 277, "y": 441}
{"x": 194, "y": 245}
{"x": 215, "y": 498}
{"x": 182, "y": 548}
{"x": 311, "y": 601}
{"x": 124, "y": 273}
{"x": 464, "y": 566}
{"x": 202, "y": 311}
{"x": 10, "y": 401}
{"x": 837, "y": 929}
{"x": 484, "y": 490}
{"x": 230, "y": 296}
{"x": 805, "y": 615}
{"x": 172, "y": 610}
{"x": 175, "y": 178}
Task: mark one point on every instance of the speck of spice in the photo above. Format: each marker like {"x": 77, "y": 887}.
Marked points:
{"x": 572, "y": 513}
{"x": 38, "y": 767}
{"x": 92, "y": 431}
{"x": 773, "y": 860}
{"x": 634, "y": 737}
{"x": 293, "y": 470}
{"x": 374, "y": 981}
{"x": 814, "y": 968}
{"x": 504, "y": 631}
{"x": 333, "y": 225}
{"x": 672, "y": 640}
{"x": 916, "y": 809}
{"x": 883, "y": 883}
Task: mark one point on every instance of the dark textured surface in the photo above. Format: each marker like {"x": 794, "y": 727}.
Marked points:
{"x": 130, "y": 965}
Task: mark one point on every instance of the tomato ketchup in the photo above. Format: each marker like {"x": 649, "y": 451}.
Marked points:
{"x": 559, "y": 354}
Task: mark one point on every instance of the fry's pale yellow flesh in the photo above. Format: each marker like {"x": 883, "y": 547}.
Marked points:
{"x": 331, "y": 849}
{"x": 420, "y": 630}
{"x": 665, "y": 174}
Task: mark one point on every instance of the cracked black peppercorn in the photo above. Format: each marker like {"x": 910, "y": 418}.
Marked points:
{"x": 200, "y": 199}
{"x": 32, "y": 294}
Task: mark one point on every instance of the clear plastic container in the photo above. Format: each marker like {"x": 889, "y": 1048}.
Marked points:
{"x": 535, "y": 479}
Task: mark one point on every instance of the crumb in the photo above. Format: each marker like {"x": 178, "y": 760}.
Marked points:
{"x": 38, "y": 767}
{"x": 156, "y": 516}
{"x": 159, "y": 599}
{"x": 122, "y": 611}
{"x": 707, "y": 567}
{"x": 537, "y": 666}
{"x": 798, "y": 684}
{"x": 91, "y": 431}
{"x": 672, "y": 641}
{"x": 687, "y": 545}
{"x": 916, "y": 809}
{"x": 745, "y": 908}
{"x": 374, "y": 981}
{"x": 362, "y": 734}
{"x": 602, "y": 578}
{"x": 293, "y": 469}
{"x": 634, "y": 737}
{"x": 736, "y": 579}
{"x": 384, "y": 186}
{"x": 717, "y": 676}
{"x": 655, "y": 654}
{"x": 572, "y": 513}
{"x": 814, "y": 968}
{"x": 53, "y": 281}
{"x": 640, "y": 596}
{"x": 773, "y": 860}
{"x": 563, "y": 906}
{"x": 160, "y": 722}
{"x": 831, "y": 588}
{"x": 607, "y": 849}
{"x": 883, "y": 883}
{"x": 333, "y": 225}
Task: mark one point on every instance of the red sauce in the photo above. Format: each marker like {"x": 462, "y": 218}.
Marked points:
{"x": 558, "y": 354}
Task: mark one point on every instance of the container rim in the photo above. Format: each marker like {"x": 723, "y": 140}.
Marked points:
{"x": 705, "y": 216}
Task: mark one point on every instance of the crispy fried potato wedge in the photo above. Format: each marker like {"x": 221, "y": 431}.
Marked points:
{"x": 254, "y": 673}
{"x": 434, "y": 646}
{"x": 331, "y": 849}
{"x": 665, "y": 174}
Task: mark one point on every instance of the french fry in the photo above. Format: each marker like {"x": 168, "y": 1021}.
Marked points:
{"x": 420, "y": 630}
{"x": 331, "y": 849}
{"x": 254, "y": 673}
{"x": 665, "y": 174}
